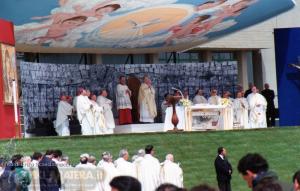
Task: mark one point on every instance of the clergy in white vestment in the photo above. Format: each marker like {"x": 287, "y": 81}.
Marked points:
{"x": 75, "y": 99}
{"x": 164, "y": 105}
{"x": 123, "y": 102}
{"x": 146, "y": 101}
{"x": 240, "y": 111}
{"x": 92, "y": 160}
{"x": 84, "y": 113}
{"x": 257, "y": 106}
{"x": 214, "y": 99}
{"x": 171, "y": 172}
{"x": 109, "y": 171}
{"x": 62, "y": 122}
{"x": 33, "y": 168}
{"x": 106, "y": 103}
{"x": 228, "y": 111}
{"x": 137, "y": 161}
{"x": 89, "y": 179}
{"x": 98, "y": 117}
{"x": 150, "y": 170}
{"x": 199, "y": 98}
{"x": 124, "y": 167}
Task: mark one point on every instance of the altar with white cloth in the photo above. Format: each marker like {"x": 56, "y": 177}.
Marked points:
{"x": 199, "y": 117}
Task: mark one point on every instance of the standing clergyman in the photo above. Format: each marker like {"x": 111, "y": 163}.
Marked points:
{"x": 62, "y": 122}
{"x": 147, "y": 105}
{"x": 84, "y": 108}
{"x": 214, "y": 99}
{"x": 199, "y": 97}
{"x": 123, "y": 102}
{"x": 106, "y": 103}
{"x": 240, "y": 111}
{"x": 258, "y": 106}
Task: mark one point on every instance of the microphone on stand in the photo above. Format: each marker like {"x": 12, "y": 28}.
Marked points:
{"x": 178, "y": 91}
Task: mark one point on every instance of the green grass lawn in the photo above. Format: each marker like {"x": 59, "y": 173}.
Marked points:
{"x": 195, "y": 151}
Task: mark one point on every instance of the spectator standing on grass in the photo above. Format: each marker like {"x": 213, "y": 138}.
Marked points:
{"x": 49, "y": 173}
{"x": 203, "y": 187}
{"x": 20, "y": 176}
{"x": 296, "y": 181}
{"x": 125, "y": 183}
{"x": 169, "y": 187}
{"x": 223, "y": 170}
{"x": 255, "y": 171}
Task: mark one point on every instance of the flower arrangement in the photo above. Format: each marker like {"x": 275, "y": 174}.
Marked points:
{"x": 226, "y": 102}
{"x": 185, "y": 102}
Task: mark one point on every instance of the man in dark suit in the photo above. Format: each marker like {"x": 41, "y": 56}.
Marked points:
{"x": 248, "y": 91}
{"x": 269, "y": 95}
{"x": 223, "y": 170}
{"x": 49, "y": 174}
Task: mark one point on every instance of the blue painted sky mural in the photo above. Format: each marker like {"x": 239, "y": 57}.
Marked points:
{"x": 144, "y": 25}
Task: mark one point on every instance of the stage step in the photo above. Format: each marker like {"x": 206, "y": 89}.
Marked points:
{"x": 139, "y": 128}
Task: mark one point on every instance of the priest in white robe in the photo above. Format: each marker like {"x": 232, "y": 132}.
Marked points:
{"x": 106, "y": 104}
{"x": 150, "y": 170}
{"x": 240, "y": 111}
{"x": 214, "y": 99}
{"x": 62, "y": 122}
{"x": 84, "y": 113}
{"x": 228, "y": 111}
{"x": 258, "y": 106}
{"x": 98, "y": 116}
{"x": 146, "y": 101}
{"x": 88, "y": 175}
{"x": 109, "y": 171}
{"x": 137, "y": 161}
{"x": 199, "y": 98}
{"x": 124, "y": 167}
{"x": 123, "y": 101}
{"x": 75, "y": 99}
{"x": 171, "y": 172}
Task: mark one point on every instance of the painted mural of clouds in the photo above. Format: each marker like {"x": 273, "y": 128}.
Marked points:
{"x": 223, "y": 26}
{"x": 73, "y": 36}
{"x": 144, "y": 42}
{"x": 126, "y": 5}
{"x": 135, "y": 4}
{"x": 24, "y": 35}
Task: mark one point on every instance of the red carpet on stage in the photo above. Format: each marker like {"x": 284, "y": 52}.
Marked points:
{"x": 7, "y": 124}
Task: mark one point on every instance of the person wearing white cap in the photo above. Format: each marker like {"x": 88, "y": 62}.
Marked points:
{"x": 83, "y": 160}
